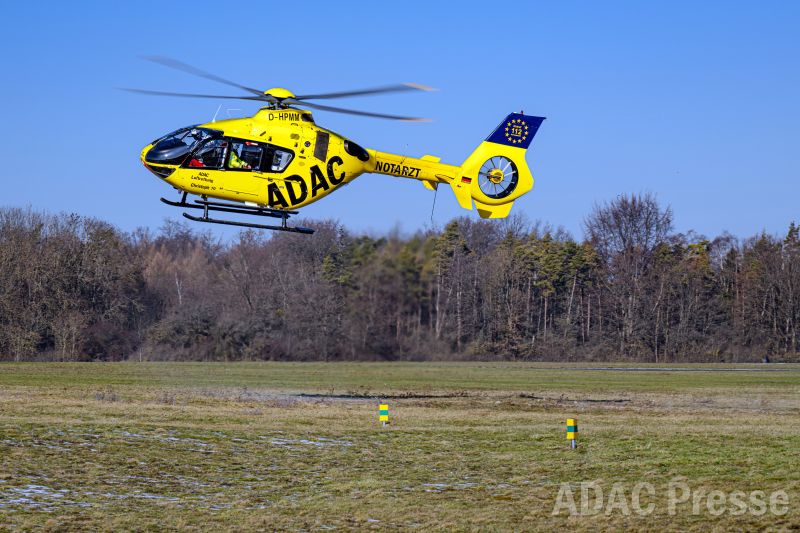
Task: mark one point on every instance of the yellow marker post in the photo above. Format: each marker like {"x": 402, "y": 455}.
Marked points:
{"x": 383, "y": 414}
{"x": 572, "y": 432}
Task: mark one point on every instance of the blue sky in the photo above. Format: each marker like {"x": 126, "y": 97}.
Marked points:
{"x": 696, "y": 102}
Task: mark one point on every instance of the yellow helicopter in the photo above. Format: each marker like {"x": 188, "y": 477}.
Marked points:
{"x": 278, "y": 160}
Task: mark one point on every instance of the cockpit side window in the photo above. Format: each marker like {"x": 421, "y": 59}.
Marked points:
{"x": 245, "y": 155}
{"x": 210, "y": 155}
{"x": 255, "y": 156}
{"x": 278, "y": 159}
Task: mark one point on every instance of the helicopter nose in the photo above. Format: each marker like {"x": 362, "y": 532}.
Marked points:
{"x": 146, "y": 158}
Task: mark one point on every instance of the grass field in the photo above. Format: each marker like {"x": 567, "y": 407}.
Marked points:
{"x": 283, "y": 446}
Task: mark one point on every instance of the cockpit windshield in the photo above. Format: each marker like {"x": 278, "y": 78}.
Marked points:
{"x": 173, "y": 148}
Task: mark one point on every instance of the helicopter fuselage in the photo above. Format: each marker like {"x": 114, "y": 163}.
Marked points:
{"x": 278, "y": 158}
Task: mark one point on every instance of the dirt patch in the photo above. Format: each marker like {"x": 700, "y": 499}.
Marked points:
{"x": 586, "y": 400}
{"x": 371, "y": 396}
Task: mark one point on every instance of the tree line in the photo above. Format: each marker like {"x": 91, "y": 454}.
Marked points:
{"x": 76, "y": 288}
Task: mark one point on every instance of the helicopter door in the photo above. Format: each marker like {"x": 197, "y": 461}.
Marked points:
{"x": 243, "y": 161}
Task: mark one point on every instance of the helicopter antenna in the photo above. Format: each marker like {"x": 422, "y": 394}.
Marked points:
{"x": 217, "y": 113}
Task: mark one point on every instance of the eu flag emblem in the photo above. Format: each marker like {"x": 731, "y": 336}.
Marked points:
{"x": 516, "y": 130}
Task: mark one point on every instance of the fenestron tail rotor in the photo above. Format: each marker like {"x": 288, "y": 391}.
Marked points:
{"x": 281, "y": 98}
{"x": 497, "y": 177}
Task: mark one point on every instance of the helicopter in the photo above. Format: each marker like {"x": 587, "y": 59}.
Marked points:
{"x": 279, "y": 160}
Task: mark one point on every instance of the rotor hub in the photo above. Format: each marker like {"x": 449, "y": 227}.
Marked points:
{"x": 279, "y": 93}
{"x": 496, "y": 175}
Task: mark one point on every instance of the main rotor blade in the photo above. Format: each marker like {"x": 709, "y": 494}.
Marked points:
{"x": 189, "y": 69}
{"x": 262, "y": 98}
{"x": 402, "y": 87}
{"x": 290, "y": 101}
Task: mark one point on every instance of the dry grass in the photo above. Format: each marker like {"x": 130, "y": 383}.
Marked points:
{"x": 233, "y": 447}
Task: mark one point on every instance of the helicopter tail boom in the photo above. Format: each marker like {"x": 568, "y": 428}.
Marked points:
{"x": 427, "y": 169}
{"x": 492, "y": 177}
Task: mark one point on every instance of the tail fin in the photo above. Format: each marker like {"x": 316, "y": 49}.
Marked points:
{"x": 496, "y": 173}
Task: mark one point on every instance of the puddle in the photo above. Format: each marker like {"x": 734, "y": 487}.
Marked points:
{"x": 130, "y": 435}
{"x": 139, "y": 495}
{"x": 40, "y": 497}
{"x": 441, "y": 487}
{"x": 196, "y": 445}
{"x": 318, "y": 442}
{"x": 148, "y": 496}
{"x": 37, "y": 443}
{"x": 219, "y": 506}
{"x": 43, "y": 498}
{"x": 171, "y": 439}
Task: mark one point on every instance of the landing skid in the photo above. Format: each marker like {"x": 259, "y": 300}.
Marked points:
{"x": 225, "y": 207}
{"x": 295, "y": 229}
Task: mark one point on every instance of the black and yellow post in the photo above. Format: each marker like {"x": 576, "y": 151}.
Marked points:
{"x": 572, "y": 432}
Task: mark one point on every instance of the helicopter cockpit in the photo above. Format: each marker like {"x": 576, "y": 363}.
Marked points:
{"x": 194, "y": 147}
{"x": 173, "y": 148}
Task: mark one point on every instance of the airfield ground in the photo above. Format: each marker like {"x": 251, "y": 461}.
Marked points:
{"x": 282, "y": 446}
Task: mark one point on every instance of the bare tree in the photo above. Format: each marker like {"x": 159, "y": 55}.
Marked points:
{"x": 626, "y": 232}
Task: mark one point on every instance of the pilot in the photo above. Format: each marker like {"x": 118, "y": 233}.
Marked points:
{"x": 236, "y": 162}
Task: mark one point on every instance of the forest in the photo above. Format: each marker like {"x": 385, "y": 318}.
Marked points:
{"x": 74, "y": 288}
